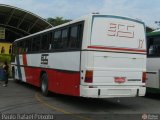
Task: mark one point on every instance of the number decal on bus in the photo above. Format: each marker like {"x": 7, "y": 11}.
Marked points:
{"x": 141, "y": 43}
{"x": 121, "y": 30}
{"x": 44, "y": 59}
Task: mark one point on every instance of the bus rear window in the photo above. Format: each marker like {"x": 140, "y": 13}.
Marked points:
{"x": 117, "y": 32}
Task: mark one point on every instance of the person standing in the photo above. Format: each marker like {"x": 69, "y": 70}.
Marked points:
{"x": 10, "y": 49}
{"x": 6, "y": 68}
{"x": 2, "y": 50}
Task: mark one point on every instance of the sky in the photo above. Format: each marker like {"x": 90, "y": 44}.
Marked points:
{"x": 146, "y": 10}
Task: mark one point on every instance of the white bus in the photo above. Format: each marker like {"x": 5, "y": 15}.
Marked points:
{"x": 97, "y": 56}
{"x": 153, "y": 60}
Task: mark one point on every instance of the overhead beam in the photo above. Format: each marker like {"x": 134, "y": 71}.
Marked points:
{"x": 21, "y": 20}
{"x": 48, "y": 27}
{"x": 10, "y": 16}
{"x": 30, "y": 28}
{"x": 12, "y": 27}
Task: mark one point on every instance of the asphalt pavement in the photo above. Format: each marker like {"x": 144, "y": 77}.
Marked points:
{"x": 21, "y": 100}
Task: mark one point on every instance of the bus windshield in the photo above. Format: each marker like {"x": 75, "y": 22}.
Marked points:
{"x": 153, "y": 43}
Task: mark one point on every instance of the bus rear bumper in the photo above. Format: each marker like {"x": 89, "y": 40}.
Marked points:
{"x": 112, "y": 91}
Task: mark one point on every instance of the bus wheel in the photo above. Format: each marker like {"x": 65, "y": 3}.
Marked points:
{"x": 44, "y": 84}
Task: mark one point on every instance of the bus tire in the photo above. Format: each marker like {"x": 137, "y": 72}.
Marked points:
{"x": 44, "y": 84}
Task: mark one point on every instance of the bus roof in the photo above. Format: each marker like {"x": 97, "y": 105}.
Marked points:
{"x": 154, "y": 33}
{"x": 78, "y": 20}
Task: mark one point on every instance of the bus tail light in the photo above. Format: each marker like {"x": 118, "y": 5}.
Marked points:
{"x": 119, "y": 79}
{"x": 89, "y": 76}
{"x": 144, "y": 77}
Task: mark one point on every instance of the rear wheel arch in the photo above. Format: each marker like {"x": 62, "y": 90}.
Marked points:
{"x": 41, "y": 73}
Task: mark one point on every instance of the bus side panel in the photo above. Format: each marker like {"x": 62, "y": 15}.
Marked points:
{"x": 63, "y": 74}
{"x": 28, "y": 73}
{"x": 153, "y": 70}
{"x": 31, "y": 74}
{"x": 64, "y": 82}
{"x": 25, "y": 73}
{"x": 52, "y": 80}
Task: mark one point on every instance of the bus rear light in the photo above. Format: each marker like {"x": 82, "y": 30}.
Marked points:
{"x": 144, "y": 77}
{"x": 89, "y": 76}
{"x": 119, "y": 79}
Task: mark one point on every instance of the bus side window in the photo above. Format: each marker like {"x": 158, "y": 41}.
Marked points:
{"x": 23, "y": 46}
{"x": 15, "y": 49}
{"x": 80, "y": 35}
{"x": 50, "y": 35}
{"x": 73, "y": 37}
{"x": 57, "y": 40}
{"x": 154, "y": 46}
{"x": 26, "y": 46}
{"x": 64, "y": 39}
{"x": 29, "y": 45}
{"x": 36, "y": 44}
{"x": 20, "y": 46}
{"x": 44, "y": 42}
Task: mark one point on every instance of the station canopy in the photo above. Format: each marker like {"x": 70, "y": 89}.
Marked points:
{"x": 18, "y": 23}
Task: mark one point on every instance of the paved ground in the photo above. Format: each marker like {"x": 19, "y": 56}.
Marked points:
{"x": 21, "y": 98}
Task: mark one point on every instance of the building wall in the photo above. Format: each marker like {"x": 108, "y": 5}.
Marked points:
{"x": 5, "y": 48}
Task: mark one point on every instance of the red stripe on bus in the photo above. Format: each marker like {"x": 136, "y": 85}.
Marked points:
{"x": 26, "y": 70}
{"x": 117, "y": 49}
{"x": 24, "y": 59}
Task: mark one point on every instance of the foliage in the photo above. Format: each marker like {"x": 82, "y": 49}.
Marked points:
{"x": 5, "y": 57}
{"x": 57, "y": 21}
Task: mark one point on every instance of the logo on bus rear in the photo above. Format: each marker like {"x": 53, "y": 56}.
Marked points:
{"x": 121, "y": 30}
{"x": 44, "y": 59}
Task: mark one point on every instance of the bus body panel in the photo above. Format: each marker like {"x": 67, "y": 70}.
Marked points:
{"x": 111, "y": 47}
{"x": 111, "y": 91}
{"x": 61, "y": 77}
{"x": 153, "y": 58}
{"x": 106, "y": 68}
{"x": 110, "y": 65}
{"x": 153, "y": 73}
{"x": 116, "y": 48}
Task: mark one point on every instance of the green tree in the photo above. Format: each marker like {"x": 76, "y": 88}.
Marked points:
{"x": 57, "y": 21}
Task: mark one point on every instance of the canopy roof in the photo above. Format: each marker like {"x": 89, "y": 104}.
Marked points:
{"x": 19, "y": 23}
